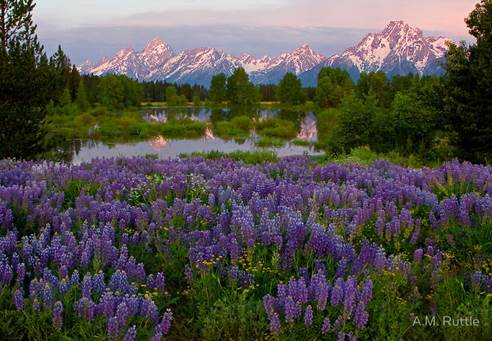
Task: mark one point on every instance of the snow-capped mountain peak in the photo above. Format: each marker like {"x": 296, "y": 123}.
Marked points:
{"x": 156, "y": 45}
{"x": 253, "y": 64}
{"x": 156, "y": 53}
{"x": 398, "y": 49}
{"x": 398, "y": 42}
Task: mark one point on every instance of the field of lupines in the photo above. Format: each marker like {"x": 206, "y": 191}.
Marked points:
{"x": 189, "y": 249}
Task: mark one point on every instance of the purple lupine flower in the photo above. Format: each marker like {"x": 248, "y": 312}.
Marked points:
{"x": 320, "y": 290}
{"x": 292, "y": 310}
{"x": 119, "y": 282}
{"x": 6, "y": 273}
{"x": 107, "y": 304}
{"x": 341, "y": 336}
{"x": 75, "y": 278}
{"x": 351, "y": 336}
{"x": 281, "y": 291}
{"x": 416, "y": 232}
{"x": 337, "y": 293}
{"x": 160, "y": 282}
{"x": 302, "y": 291}
{"x": 165, "y": 324}
{"x": 85, "y": 308}
{"x": 63, "y": 271}
{"x": 47, "y": 296}
{"x": 58, "y": 315}
{"x": 350, "y": 296}
{"x": 269, "y": 304}
{"x": 18, "y": 297}
{"x": 149, "y": 310}
{"x": 113, "y": 329}
{"x": 339, "y": 322}
{"x": 87, "y": 285}
{"x": 98, "y": 285}
{"x": 122, "y": 315}
{"x": 366, "y": 293}
{"x": 131, "y": 334}
{"x": 20, "y": 273}
{"x": 308, "y": 316}
{"x": 275, "y": 326}
{"x": 157, "y": 337}
{"x": 417, "y": 255}
{"x": 342, "y": 267}
{"x": 325, "y": 328}
{"x": 188, "y": 274}
{"x": 476, "y": 279}
{"x": 133, "y": 303}
{"x": 35, "y": 305}
{"x": 361, "y": 316}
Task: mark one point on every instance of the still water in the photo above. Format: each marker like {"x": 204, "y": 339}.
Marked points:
{"x": 165, "y": 148}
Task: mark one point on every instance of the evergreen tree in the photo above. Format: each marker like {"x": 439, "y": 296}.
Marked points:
{"x": 81, "y": 100}
{"x": 171, "y": 96}
{"x": 290, "y": 90}
{"x": 66, "y": 98}
{"x": 27, "y": 81}
{"x": 73, "y": 82}
{"x": 468, "y": 88}
{"x": 240, "y": 91}
{"x": 217, "y": 93}
{"x": 61, "y": 64}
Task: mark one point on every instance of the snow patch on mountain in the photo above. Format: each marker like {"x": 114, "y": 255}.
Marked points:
{"x": 398, "y": 49}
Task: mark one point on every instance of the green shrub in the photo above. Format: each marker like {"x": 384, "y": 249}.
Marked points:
{"x": 243, "y": 122}
{"x": 183, "y": 128}
{"x": 275, "y": 127}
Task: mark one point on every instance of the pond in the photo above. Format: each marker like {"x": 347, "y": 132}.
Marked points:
{"x": 163, "y": 147}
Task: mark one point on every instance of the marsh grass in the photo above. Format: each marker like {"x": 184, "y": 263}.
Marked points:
{"x": 238, "y": 127}
{"x": 249, "y": 157}
{"x": 276, "y": 128}
{"x": 112, "y": 127}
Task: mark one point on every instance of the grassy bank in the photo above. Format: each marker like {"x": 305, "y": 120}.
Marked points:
{"x": 101, "y": 124}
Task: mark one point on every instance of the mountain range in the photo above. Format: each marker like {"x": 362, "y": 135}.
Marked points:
{"x": 399, "y": 49}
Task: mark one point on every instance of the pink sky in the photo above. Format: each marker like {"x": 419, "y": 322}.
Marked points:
{"x": 434, "y": 15}
{"x": 94, "y": 28}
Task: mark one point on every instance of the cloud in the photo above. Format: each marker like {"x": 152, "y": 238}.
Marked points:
{"x": 95, "y": 42}
{"x": 440, "y": 15}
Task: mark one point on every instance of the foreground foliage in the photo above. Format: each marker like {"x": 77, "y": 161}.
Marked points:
{"x": 216, "y": 249}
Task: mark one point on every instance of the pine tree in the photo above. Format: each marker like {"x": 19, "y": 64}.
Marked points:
{"x": 171, "y": 96}
{"x": 73, "y": 82}
{"x": 62, "y": 73}
{"x": 468, "y": 88}
{"x": 66, "y": 98}
{"x": 81, "y": 100}
{"x": 217, "y": 92}
{"x": 27, "y": 82}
